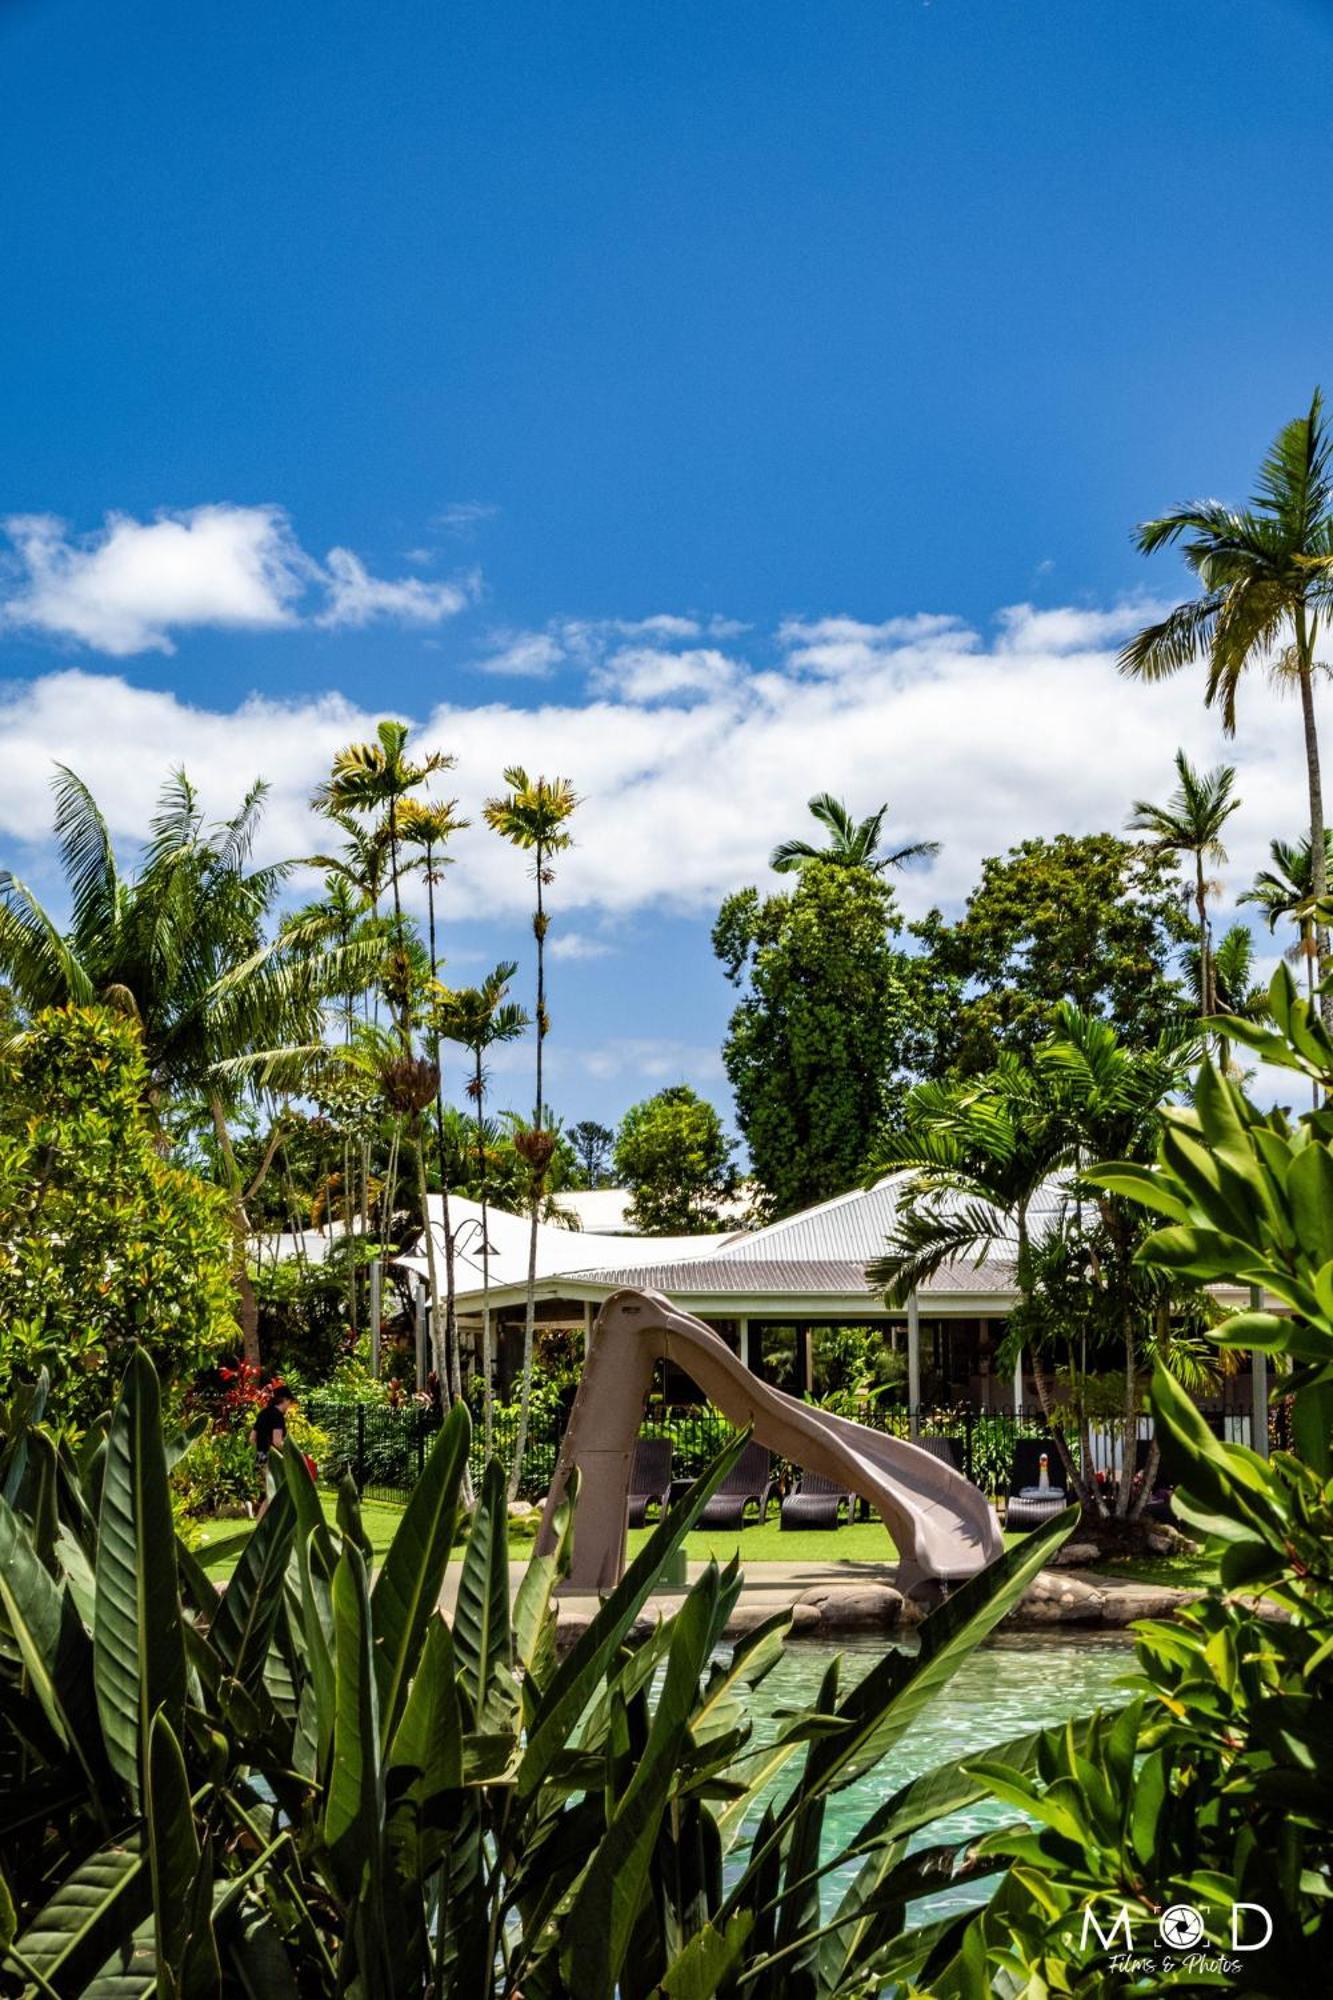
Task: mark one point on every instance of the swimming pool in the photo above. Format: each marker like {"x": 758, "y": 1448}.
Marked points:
{"x": 1014, "y": 1684}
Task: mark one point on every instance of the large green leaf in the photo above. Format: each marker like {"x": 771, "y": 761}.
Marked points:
{"x": 243, "y": 1627}
{"x": 138, "y": 1643}
{"x": 534, "y": 1615}
{"x": 354, "y": 1797}
{"x": 606, "y": 1906}
{"x": 574, "y": 1681}
{"x": 51, "y": 1642}
{"x": 407, "y": 1589}
{"x": 482, "y": 1639}
{"x": 187, "y": 1965}
{"x": 94, "y": 1912}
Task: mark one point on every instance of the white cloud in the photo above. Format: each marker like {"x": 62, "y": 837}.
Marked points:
{"x": 356, "y": 598}
{"x": 464, "y": 517}
{"x": 523, "y": 653}
{"x": 124, "y": 590}
{"x": 578, "y": 944}
{"x": 132, "y": 586}
{"x": 977, "y": 746}
{"x": 1068, "y": 629}
{"x": 649, "y": 674}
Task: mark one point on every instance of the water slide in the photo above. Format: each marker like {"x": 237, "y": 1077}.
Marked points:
{"x": 943, "y": 1527}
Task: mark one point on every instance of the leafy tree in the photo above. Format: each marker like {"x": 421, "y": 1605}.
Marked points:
{"x": 182, "y": 948}
{"x": 104, "y": 1243}
{"x": 594, "y": 1145}
{"x": 1087, "y": 918}
{"x": 673, "y": 1153}
{"x": 1191, "y": 823}
{"x": 852, "y": 843}
{"x": 832, "y": 1017}
{"x": 534, "y": 815}
{"x": 1266, "y": 573}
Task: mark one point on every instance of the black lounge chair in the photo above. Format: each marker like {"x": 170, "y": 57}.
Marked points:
{"x": 749, "y": 1482}
{"x": 1026, "y": 1471}
{"x": 816, "y": 1503}
{"x": 649, "y": 1478}
{"x": 944, "y": 1448}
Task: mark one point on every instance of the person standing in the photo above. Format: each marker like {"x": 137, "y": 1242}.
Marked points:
{"x": 269, "y": 1433}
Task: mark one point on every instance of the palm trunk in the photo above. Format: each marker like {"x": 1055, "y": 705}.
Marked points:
{"x": 450, "y": 1281}
{"x": 487, "y": 1358}
{"x": 1305, "y": 645}
{"x": 530, "y": 1302}
{"x": 240, "y": 1230}
{"x": 1207, "y": 999}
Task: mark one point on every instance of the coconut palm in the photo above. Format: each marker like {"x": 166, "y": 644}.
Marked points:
{"x": 852, "y": 843}
{"x": 482, "y": 1018}
{"x": 1266, "y": 573}
{"x": 182, "y": 945}
{"x": 1191, "y": 822}
{"x": 534, "y": 816}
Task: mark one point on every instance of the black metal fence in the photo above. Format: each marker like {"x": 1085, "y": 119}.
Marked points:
{"x": 384, "y": 1448}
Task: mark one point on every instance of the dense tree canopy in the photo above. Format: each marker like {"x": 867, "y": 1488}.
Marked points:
{"x": 673, "y": 1154}
{"x": 1087, "y": 918}
{"x": 103, "y": 1242}
{"x": 832, "y": 1019}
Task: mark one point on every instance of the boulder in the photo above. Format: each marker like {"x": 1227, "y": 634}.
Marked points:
{"x": 520, "y": 1510}
{"x": 1055, "y": 1599}
{"x": 1076, "y": 1555}
{"x": 1128, "y": 1601}
{"x": 853, "y": 1607}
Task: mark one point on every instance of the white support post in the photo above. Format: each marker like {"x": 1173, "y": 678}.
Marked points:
{"x": 587, "y": 1329}
{"x": 743, "y": 1334}
{"x": 422, "y": 1369}
{"x": 1018, "y": 1384}
{"x": 376, "y": 1299}
{"x": 913, "y": 1363}
{"x": 1258, "y": 1385}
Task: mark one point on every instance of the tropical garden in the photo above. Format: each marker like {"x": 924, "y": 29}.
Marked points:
{"x": 307, "y": 1777}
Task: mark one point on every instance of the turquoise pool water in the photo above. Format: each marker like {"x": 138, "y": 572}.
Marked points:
{"x": 1016, "y": 1683}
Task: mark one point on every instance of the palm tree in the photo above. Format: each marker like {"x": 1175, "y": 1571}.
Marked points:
{"x": 374, "y": 780}
{"x": 182, "y": 946}
{"x": 482, "y": 1018}
{"x": 1287, "y": 890}
{"x": 534, "y": 816}
{"x": 1191, "y": 822}
{"x": 853, "y": 843}
{"x": 1267, "y": 576}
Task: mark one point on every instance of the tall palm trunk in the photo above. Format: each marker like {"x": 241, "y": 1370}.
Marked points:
{"x": 1207, "y": 998}
{"x": 1306, "y": 633}
{"x": 534, "y": 1205}
{"x": 450, "y": 1278}
{"x": 487, "y": 1357}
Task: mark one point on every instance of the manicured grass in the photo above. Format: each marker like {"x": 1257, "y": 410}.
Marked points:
{"x": 222, "y": 1541}
{"x": 1181, "y": 1572}
{"x": 866, "y": 1542}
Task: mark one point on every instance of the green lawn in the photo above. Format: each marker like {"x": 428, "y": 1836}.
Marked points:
{"x": 866, "y": 1542}
{"x": 222, "y": 1541}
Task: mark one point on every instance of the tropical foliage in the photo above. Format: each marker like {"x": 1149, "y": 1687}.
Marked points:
{"x": 103, "y": 1242}
{"x": 315, "y": 1783}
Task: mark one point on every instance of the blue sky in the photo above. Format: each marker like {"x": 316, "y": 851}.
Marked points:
{"x": 681, "y": 397}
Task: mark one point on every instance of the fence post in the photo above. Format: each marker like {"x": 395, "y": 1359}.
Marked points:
{"x": 360, "y": 1447}
{"x": 969, "y": 1425}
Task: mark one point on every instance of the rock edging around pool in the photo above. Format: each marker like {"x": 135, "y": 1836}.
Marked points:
{"x": 1054, "y": 1597}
